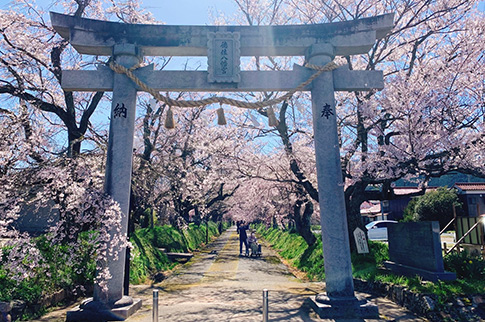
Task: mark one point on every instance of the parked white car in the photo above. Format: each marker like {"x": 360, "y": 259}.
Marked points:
{"x": 377, "y": 230}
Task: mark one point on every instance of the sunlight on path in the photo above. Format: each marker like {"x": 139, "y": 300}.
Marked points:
{"x": 222, "y": 286}
{"x": 226, "y": 264}
{"x": 219, "y": 285}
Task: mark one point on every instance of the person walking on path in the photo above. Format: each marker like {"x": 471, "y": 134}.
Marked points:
{"x": 243, "y": 237}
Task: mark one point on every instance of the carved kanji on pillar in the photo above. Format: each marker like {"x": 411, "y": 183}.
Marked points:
{"x": 327, "y": 111}
{"x": 119, "y": 111}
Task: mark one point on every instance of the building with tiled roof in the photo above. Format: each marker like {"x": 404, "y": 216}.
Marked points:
{"x": 371, "y": 211}
{"x": 471, "y": 186}
{"x": 472, "y": 195}
{"x": 390, "y": 209}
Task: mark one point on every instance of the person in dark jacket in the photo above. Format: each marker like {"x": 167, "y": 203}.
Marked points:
{"x": 243, "y": 237}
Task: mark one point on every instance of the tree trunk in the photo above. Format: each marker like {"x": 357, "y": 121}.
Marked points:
{"x": 74, "y": 142}
{"x": 302, "y": 220}
{"x": 353, "y": 199}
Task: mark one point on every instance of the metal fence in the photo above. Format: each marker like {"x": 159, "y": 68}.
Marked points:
{"x": 476, "y": 235}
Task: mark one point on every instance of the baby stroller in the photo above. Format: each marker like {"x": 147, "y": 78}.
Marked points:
{"x": 255, "y": 248}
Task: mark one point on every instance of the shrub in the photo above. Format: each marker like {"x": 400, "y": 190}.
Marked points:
{"x": 465, "y": 266}
{"x": 46, "y": 268}
{"x": 27, "y": 290}
{"x": 433, "y": 206}
{"x": 409, "y": 213}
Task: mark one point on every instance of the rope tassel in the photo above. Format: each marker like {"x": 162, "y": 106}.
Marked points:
{"x": 169, "y": 121}
{"x": 272, "y": 121}
{"x": 221, "y": 119}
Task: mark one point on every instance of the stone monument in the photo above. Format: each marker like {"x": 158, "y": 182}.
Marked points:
{"x": 319, "y": 43}
{"x": 415, "y": 249}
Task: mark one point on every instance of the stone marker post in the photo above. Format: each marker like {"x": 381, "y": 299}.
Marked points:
{"x": 119, "y": 162}
{"x": 339, "y": 300}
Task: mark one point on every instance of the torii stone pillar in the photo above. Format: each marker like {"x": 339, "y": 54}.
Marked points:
{"x": 119, "y": 161}
{"x": 329, "y": 173}
{"x": 339, "y": 300}
{"x": 111, "y": 304}
{"x": 320, "y": 43}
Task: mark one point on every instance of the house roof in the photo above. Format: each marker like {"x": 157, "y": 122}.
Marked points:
{"x": 408, "y": 190}
{"x": 470, "y": 187}
{"x": 374, "y": 209}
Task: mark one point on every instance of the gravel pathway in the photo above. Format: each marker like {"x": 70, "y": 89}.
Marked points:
{"x": 219, "y": 285}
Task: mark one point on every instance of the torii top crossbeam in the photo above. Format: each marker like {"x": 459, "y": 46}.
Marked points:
{"x": 97, "y": 37}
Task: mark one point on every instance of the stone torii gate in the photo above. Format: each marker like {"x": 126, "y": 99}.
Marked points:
{"x": 223, "y": 45}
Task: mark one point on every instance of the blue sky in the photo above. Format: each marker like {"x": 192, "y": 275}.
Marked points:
{"x": 183, "y": 12}
{"x": 188, "y": 12}
{"x": 172, "y": 12}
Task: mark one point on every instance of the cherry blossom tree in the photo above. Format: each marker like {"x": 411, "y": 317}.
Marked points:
{"x": 272, "y": 200}
{"x": 272, "y": 190}
{"x": 34, "y": 110}
{"x": 185, "y": 170}
{"x": 31, "y": 178}
{"x": 33, "y": 57}
{"x": 428, "y": 121}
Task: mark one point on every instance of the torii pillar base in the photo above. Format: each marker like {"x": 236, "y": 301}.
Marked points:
{"x": 343, "y": 307}
{"x": 94, "y": 311}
